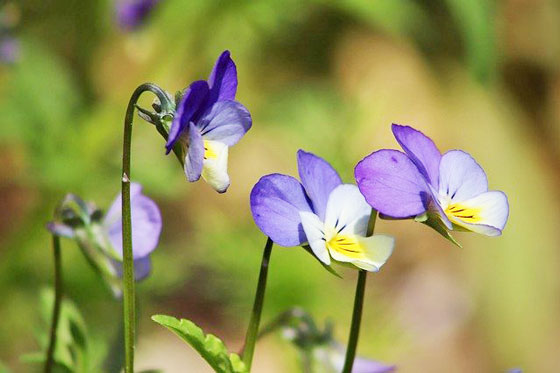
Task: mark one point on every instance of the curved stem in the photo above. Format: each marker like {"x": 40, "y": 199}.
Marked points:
{"x": 252, "y": 330}
{"x": 128, "y": 262}
{"x": 358, "y": 306}
{"x": 57, "y": 302}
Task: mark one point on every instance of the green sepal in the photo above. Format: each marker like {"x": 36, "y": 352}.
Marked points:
{"x": 210, "y": 347}
{"x": 329, "y": 268}
{"x": 435, "y": 223}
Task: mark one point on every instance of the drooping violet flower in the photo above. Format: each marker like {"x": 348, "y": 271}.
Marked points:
{"x": 132, "y": 13}
{"x": 100, "y": 236}
{"x": 9, "y": 50}
{"x": 320, "y": 211}
{"x": 451, "y": 189}
{"x": 207, "y": 122}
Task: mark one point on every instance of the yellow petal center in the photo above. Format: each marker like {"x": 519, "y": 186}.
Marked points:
{"x": 209, "y": 150}
{"x": 464, "y": 213}
{"x": 346, "y": 245}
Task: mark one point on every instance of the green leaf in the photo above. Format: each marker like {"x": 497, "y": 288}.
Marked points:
{"x": 210, "y": 347}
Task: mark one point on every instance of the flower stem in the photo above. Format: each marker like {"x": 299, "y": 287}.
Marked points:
{"x": 252, "y": 330}
{"x": 128, "y": 262}
{"x": 358, "y": 306}
{"x": 57, "y": 301}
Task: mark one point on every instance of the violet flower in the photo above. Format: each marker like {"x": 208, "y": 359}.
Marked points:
{"x": 132, "y": 13}
{"x": 9, "y": 50}
{"x": 207, "y": 122}
{"x": 100, "y": 237}
{"x": 450, "y": 190}
{"x": 321, "y": 211}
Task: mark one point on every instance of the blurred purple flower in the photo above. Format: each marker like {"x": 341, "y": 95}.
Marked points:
{"x": 100, "y": 237}
{"x": 332, "y": 356}
{"x": 146, "y": 228}
{"x": 132, "y": 13}
{"x": 9, "y": 50}
{"x": 208, "y": 121}
{"x": 422, "y": 183}
{"x": 330, "y": 216}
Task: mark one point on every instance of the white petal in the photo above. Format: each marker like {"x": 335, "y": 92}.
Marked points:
{"x": 490, "y": 211}
{"x": 347, "y": 211}
{"x": 460, "y": 177}
{"x": 314, "y": 231}
{"x": 214, "y": 169}
{"x": 377, "y": 249}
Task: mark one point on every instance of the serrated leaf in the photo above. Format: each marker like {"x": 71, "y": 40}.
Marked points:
{"x": 210, "y": 347}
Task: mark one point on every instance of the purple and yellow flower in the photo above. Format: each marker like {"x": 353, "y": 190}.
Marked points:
{"x": 100, "y": 236}
{"x": 132, "y": 13}
{"x": 321, "y": 211}
{"x": 207, "y": 122}
{"x": 330, "y": 358}
{"x": 421, "y": 183}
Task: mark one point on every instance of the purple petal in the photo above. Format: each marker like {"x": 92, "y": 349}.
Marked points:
{"x": 226, "y": 122}
{"x": 142, "y": 267}
{"x": 421, "y": 149}
{"x": 9, "y": 50}
{"x": 60, "y": 229}
{"x": 223, "y": 79}
{"x": 460, "y": 177}
{"x": 195, "y": 154}
{"x": 192, "y": 101}
{"x": 276, "y": 201}
{"x": 392, "y": 184}
{"x": 132, "y": 13}
{"x": 318, "y": 178}
{"x": 363, "y": 365}
{"x": 146, "y": 223}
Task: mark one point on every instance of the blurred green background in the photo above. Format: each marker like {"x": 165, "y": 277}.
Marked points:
{"x": 326, "y": 76}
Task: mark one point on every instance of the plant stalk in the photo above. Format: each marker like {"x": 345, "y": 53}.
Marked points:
{"x": 253, "y": 328}
{"x": 358, "y": 306}
{"x": 49, "y": 361}
{"x": 128, "y": 262}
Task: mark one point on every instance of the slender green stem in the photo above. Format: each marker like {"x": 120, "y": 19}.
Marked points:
{"x": 358, "y": 306}
{"x": 252, "y": 330}
{"x": 128, "y": 262}
{"x": 57, "y": 302}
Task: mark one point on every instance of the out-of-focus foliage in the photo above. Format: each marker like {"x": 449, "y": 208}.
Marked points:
{"x": 329, "y": 77}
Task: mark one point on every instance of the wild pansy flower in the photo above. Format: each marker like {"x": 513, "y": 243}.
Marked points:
{"x": 132, "y": 13}
{"x": 450, "y": 190}
{"x": 100, "y": 236}
{"x": 330, "y": 216}
{"x": 207, "y": 122}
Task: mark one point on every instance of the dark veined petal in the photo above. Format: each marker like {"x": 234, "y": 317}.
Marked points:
{"x": 226, "y": 122}
{"x": 460, "y": 177}
{"x": 318, "y": 178}
{"x": 192, "y": 101}
{"x": 421, "y": 149}
{"x": 146, "y": 223}
{"x": 392, "y": 184}
{"x": 276, "y": 201}
{"x": 195, "y": 154}
{"x": 223, "y": 79}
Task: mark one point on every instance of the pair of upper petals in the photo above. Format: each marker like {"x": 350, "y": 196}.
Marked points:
{"x": 403, "y": 185}
{"x": 208, "y": 112}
